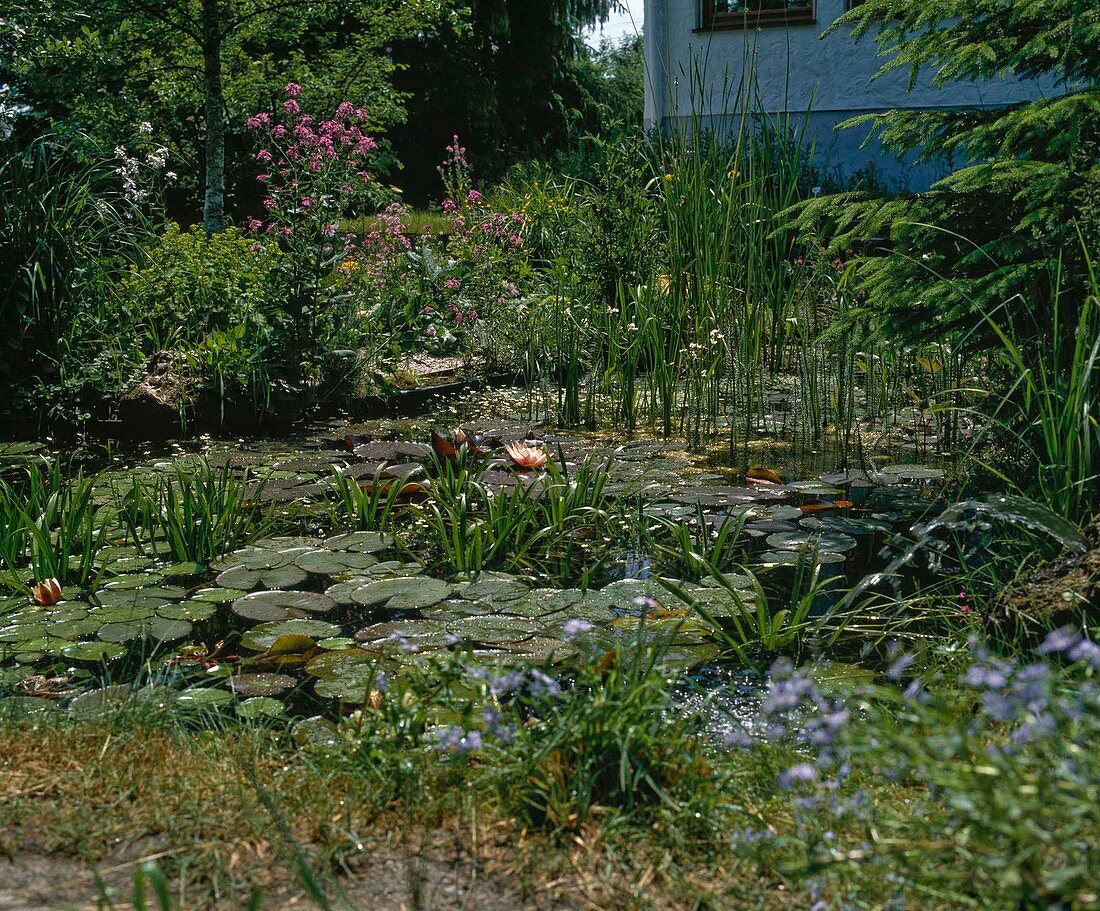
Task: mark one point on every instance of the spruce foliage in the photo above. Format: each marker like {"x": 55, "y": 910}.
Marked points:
{"x": 1024, "y": 201}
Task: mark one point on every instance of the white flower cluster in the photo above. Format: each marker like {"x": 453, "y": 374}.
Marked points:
{"x": 130, "y": 167}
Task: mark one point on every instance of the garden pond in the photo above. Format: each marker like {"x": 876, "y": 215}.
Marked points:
{"x": 302, "y": 620}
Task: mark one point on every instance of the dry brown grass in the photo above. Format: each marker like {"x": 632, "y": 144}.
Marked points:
{"x": 92, "y": 799}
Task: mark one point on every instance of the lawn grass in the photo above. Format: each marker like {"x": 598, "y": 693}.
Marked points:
{"x": 961, "y": 780}
{"x": 232, "y": 811}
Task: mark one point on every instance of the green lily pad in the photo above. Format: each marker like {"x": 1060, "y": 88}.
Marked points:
{"x": 363, "y": 542}
{"x": 833, "y": 542}
{"x": 129, "y": 583}
{"x": 275, "y": 577}
{"x": 97, "y": 652}
{"x": 892, "y": 474}
{"x": 413, "y": 634}
{"x": 137, "y": 598}
{"x": 188, "y": 610}
{"x": 269, "y": 606}
{"x": 813, "y": 489}
{"x": 495, "y": 588}
{"x": 158, "y": 628}
{"x": 96, "y": 702}
{"x": 260, "y": 707}
{"x": 342, "y": 592}
{"x": 315, "y": 731}
{"x": 203, "y": 697}
{"x": 334, "y": 562}
{"x": 407, "y": 593}
{"x": 261, "y": 684}
{"x": 847, "y": 526}
{"x": 791, "y": 557}
{"x": 61, "y": 613}
{"x": 388, "y": 569}
{"x": 494, "y": 629}
{"x": 127, "y": 613}
{"x": 263, "y": 637}
{"x": 183, "y": 570}
{"x": 218, "y": 595}
{"x": 73, "y": 629}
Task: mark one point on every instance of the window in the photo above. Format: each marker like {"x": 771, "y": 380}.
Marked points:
{"x": 755, "y": 13}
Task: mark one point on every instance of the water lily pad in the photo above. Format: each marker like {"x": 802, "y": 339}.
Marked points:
{"x": 848, "y": 526}
{"x": 158, "y": 628}
{"x": 271, "y": 606}
{"x": 127, "y": 613}
{"x": 334, "y": 562}
{"x": 218, "y": 595}
{"x": 182, "y": 570}
{"x": 892, "y": 474}
{"x": 834, "y": 542}
{"x": 494, "y": 588}
{"x": 73, "y": 629}
{"x": 260, "y": 707}
{"x": 390, "y": 568}
{"x": 203, "y": 697}
{"x": 782, "y": 512}
{"x": 98, "y": 701}
{"x": 363, "y": 542}
{"x": 137, "y": 598}
{"x": 67, "y": 610}
{"x": 121, "y": 566}
{"x": 493, "y": 629}
{"x": 403, "y": 593}
{"x": 275, "y": 577}
{"x": 315, "y": 731}
{"x": 97, "y": 652}
{"x": 813, "y": 489}
{"x": 342, "y": 592}
{"x": 189, "y": 610}
{"x": 261, "y": 684}
{"x": 792, "y": 557}
{"x": 129, "y": 583}
{"x": 414, "y": 634}
{"x": 263, "y": 637}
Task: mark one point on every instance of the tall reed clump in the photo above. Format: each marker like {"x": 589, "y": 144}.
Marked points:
{"x": 474, "y": 525}
{"x": 53, "y": 528}
{"x": 195, "y": 515}
{"x": 1051, "y": 409}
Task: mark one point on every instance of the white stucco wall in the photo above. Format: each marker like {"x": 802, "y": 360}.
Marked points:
{"x": 797, "y": 70}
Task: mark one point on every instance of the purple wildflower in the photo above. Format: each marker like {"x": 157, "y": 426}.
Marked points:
{"x": 576, "y": 627}
{"x": 800, "y": 772}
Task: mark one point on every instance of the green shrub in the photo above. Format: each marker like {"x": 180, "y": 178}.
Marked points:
{"x": 194, "y": 284}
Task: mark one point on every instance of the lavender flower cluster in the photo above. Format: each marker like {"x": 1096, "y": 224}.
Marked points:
{"x": 532, "y": 682}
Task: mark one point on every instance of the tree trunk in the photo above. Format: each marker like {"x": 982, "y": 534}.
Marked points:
{"x": 213, "y": 210}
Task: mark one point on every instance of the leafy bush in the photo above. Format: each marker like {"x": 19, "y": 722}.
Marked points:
{"x": 68, "y": 229}
{"x": 219, "y": 298}
{"x": 193, "y": 283}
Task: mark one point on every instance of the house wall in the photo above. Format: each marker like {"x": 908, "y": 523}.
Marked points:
{"x": 798, "y": 71}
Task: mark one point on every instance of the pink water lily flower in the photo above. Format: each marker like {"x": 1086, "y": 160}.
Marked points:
{"x": 46, "y": 592}
{"x": 526, "y": 456}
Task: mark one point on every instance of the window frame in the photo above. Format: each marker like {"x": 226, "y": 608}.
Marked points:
{"x": 712, "y": 20}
